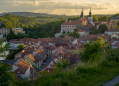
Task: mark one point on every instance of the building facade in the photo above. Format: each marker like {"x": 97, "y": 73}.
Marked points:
{"x": 81, "y": 24}
{"x": 4, "y": 31}
{"x": 17, "y": 30}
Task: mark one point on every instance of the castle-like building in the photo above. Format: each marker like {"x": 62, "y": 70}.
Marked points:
{"x": 81, "y": 24}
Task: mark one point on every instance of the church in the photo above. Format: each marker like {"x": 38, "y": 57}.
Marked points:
{"x": 81, "y": 24}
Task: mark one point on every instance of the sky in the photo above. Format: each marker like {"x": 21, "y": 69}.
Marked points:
{"x": 61, "y": 7}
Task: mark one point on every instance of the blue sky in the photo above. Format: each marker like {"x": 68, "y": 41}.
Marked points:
{"x": 68, "y": 7}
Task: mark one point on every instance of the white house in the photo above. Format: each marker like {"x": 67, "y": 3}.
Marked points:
{"x": 112, "y": 31}
{"x": 15, "y": 44}
{"x": 68, "y": 26}
{"x": 81, "y": 32}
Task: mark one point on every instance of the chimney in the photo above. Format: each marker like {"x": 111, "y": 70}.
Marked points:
{"x": 102, "y": 22}
{"x": 70, "y": 21}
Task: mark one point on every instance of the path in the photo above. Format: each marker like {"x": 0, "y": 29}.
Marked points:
{"x": 112, "y": 82}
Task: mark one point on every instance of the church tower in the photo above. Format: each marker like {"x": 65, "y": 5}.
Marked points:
{"x": 90, "y": 20}
{"x": 82, "y": 13}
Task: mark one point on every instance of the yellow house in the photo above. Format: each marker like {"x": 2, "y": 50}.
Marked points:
{"x": 17, "y": 30}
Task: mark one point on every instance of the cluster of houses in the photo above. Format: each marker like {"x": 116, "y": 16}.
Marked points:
{"x": 42, "y": 54}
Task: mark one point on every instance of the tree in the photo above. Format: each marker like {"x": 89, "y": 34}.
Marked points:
{"x": 94, "y": 30}
{"x": 6, "y": 77}
{"x": 103, "y": 28}
{"x": 74, "y": 34}
{"x": 95, "y": 18}
{"x": 10, "y": 36}
{"x": 21, "y": 46}
{"x": 75, "y": 29}
{"x": 93, "y": 50}
{"x": 2, "y": 50}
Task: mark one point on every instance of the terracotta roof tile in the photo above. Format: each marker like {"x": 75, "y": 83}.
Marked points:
{"x": 69, "y": 23}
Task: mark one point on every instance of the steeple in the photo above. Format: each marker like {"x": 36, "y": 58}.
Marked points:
{"x": 82, "y": 13}
{"x": 90, "y": 13}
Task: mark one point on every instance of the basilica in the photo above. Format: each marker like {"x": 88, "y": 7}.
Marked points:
{"x": 81, "y": 24}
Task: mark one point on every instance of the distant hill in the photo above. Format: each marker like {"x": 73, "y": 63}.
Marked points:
{"x": 29, "y": 14}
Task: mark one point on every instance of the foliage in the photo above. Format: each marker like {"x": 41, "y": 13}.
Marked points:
{"x": 10, "y": 36}
{"x": 44, "y": 30}
{"x": 75, "y": 29}
{"x": 63, "y": 63}
{"x": 115, "y": 15}
{"x": 85, "y": 74}
{"x": 5, "y": 77}
{"x": 103, "y": 28}
{"x": 94, "y": 30}
{"x": 12, "y": 55}
{"x": 21, "y": 46}
{"x": 95, "y": 18}
{"x": 93, "y": 50}
{"x": 1, "y": 47}
{"x": 73, "y": 18}
{"x": 15, "y": 21}
{"x": 74, "y": 34}
{"x": 113, "y": 55}
{"x": 103, "y": 18}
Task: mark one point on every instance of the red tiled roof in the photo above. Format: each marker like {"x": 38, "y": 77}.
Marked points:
{"x": 90, "y": 25}
{"x": 117, "y": 45}
{"x": 69, "y": 23}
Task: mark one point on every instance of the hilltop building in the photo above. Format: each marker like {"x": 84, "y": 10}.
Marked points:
{"x": 81, "y": 24}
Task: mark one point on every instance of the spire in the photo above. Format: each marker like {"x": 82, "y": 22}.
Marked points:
{"x": 90, "y": 13}
{"x": 82, "y": 13}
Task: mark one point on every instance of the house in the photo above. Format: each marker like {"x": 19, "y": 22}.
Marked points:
{"x": 116, "y": 45}
{"x": 109, "y": 24}
{"x": 50, "y": 48}
{"x": 81, "y": 32}
{"x": 112, "y": 31}
{"x": 9, "y": 62}
{"x": 4, "y": 31}
{"x": 17, "y": 30}
{"x": 74, "y": 59}
{"x": 60, "y": 53}
{"x": 15, "y": 44}
{"x": 115, "y": 19}
{"x": 24, "y": 52}
{"x": 115, "y": 35}
{"x": 23, "y": 68}
{"x": 34, "y": 60}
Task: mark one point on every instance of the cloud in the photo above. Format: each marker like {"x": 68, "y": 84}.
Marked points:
{"x": 54, "y": 6}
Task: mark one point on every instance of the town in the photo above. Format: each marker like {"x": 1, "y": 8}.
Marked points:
{"x": 28, "y": 55}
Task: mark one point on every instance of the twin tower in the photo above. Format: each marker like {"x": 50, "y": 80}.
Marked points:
{"x": 89, "y": 13}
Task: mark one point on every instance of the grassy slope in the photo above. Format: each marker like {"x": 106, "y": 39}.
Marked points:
{"x": 87, "y": 75}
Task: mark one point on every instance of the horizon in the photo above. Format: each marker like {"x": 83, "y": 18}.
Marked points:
{"x": 61, "y": 7}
